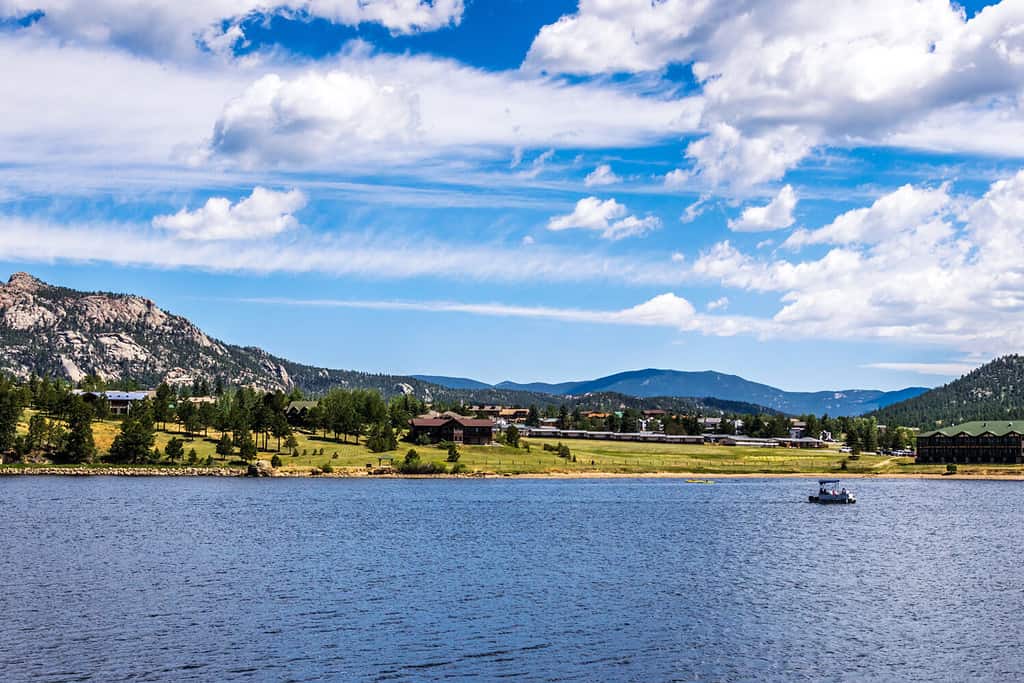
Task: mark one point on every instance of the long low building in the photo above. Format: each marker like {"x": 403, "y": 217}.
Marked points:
{"x": 996, "y": 442}
{"x": 651, "y": 437}
{"x": 456, "y": 428}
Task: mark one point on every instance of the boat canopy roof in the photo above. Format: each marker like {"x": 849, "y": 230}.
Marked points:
{"x": 828, "y": 481}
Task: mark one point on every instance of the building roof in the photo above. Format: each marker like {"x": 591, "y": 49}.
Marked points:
{"x": 428, "y": 421}
{"x": 299, "y": 405}
{"x": 977, "y": 428}
{"x": 117, "y": 395}
{"x": 439, "y": 421}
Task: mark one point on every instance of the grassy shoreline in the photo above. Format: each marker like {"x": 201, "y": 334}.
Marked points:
{"x": 589, "y": 459}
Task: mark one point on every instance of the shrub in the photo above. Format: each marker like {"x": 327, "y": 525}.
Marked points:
{"x": 326, "y": 468}
{"x": 842, "y": 465}
{"x": 275, "y": 461}
{"x": 951, "y": 468}
{"x": 413, "y": 465}
{"x": 453, "y": 453}
{"x": 563, "y": 451}
{"x": 193, "y": 457}
{"x": 458, "y": 468}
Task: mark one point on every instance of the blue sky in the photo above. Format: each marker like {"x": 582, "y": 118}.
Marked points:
{"x": 534, "y": 190}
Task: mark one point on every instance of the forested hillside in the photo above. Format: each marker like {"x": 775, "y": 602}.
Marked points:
{"x": 993, "y": 391}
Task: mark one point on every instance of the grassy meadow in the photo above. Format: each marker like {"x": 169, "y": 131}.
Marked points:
{"x": 590, "y": 457}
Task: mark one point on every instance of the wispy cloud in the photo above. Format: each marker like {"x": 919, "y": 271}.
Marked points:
{"x": 335, "y": 254}
{"x": 946, "y": 369}
{"x": 666, "y": 310}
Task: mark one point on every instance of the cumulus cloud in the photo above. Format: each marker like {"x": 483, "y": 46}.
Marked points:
{"x": 907, "y": 209}
{"x": 775, "y": 215}
{"x": 780, "y": 77}
{"x": 602, "y": 175}
{"x": 918, "y": 265}
{"x": 170, "y": 28}
{"x": 278, "y": 120}
{"x": 608, "y": 217}
{"x": 264, "y": 213}
{"x": 609, "y": 36}
{"x": 725, "y": 158}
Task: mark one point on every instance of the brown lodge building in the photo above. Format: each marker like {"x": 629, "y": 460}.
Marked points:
{"x": 994, "y": 441}
{"x": 467, "y": 430}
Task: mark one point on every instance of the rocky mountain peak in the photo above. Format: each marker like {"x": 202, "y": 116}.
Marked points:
{"x": 24, "y": 282}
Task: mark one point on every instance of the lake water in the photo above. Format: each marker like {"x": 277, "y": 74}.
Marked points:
{"x": 107, "y": 579}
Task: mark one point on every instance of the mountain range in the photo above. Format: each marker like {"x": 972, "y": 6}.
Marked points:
{"x": 653, "y": 382}
{"x": 55, "y": 331}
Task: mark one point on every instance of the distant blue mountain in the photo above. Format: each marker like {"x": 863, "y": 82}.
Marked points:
{"x": 452, "y": 382}
{"x": 653, "y": 382}
{"x": 543, "y": 387}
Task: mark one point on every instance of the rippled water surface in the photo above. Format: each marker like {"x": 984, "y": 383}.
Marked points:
{"x": 108, "y": 579}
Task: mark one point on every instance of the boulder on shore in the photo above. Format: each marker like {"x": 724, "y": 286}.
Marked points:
{"x": 261, "y": 468}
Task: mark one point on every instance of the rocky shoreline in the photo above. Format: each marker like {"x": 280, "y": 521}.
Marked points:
{"x": 66, "y": 471}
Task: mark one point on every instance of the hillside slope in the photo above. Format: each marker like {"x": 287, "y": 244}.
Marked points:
{"x": 60, "y": 332}
{"x": 994, "y": 391}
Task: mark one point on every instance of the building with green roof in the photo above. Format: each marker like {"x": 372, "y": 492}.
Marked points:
{"x": 990, "y": 441}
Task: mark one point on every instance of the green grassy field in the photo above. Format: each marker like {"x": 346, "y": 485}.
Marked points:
{"x": 590, "y": 457}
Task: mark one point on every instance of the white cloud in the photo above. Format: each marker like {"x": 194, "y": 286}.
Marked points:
{"x": 677, "y": 178}
{"x": 780, "y": 77}
{"x": 264, "y": 213}
{"x": 538, "y": 165}
{"x": 947, "y": 369}
{"x": 608, "y": 217}
{"x": 695, "y": 210}
{"x": 607, "y": 36}
{"x": 386, "y": 108}
{"x": 663, "y": 310}
{"x": 721, "y": 303}
{"x": 602, "y": 175}
{"x": 335, "y": 254}
{"x": 666, "y": 310}
{"x": 775, "y": 215}
{"x": 917, "y": 266}
{"x": 908, "y": 208}
{"x": 278, "y": 120}
{"x": 175, "y": 28}
{"x": 727, "y": 158}
{"x": 71, "y": 104}
{"x": 65, "y": 104}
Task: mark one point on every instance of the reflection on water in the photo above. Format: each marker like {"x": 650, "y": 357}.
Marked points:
{"x": 110, "y": 579}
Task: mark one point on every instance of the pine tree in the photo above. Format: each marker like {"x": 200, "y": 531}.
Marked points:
{"x": 78, "y": 445}
{"x": 225, "y": 446}
{"x": 134, "y": 444}
{"x": 174, "y": 449}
